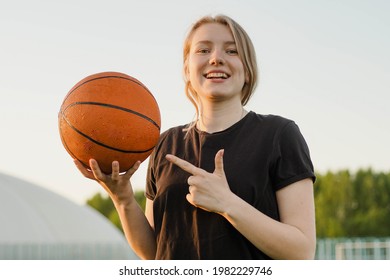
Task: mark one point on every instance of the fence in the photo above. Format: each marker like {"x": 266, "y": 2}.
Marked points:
{"x": 353, "y": 249}
{"x": 65, "y": 251}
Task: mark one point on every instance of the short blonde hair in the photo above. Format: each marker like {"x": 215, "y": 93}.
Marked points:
{"x": 245, "y": 50}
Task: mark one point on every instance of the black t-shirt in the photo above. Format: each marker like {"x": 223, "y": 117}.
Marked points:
{"x": 263, "y": 153}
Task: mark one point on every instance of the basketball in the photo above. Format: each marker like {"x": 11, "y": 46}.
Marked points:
{"x": 109, "y": 116}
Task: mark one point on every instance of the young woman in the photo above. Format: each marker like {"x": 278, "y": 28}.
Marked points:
{"x": 230, "y": 185}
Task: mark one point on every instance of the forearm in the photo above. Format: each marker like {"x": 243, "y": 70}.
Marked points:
{"x": 137, "y": 229}
{"x": 276, "y": 239}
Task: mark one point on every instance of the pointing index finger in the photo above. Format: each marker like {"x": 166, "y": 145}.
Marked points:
{"x": 185, "y": 165}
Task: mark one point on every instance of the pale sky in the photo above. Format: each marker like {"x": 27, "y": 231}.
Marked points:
{"x": 324, "y": 64}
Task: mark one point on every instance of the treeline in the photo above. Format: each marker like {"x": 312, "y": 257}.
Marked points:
{"x": 353, "y": 205}
{"x": 347, "y": 204}
{"x": 105, "y": 206}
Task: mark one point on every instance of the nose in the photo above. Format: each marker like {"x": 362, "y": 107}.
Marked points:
{"x": 216, "y": 58}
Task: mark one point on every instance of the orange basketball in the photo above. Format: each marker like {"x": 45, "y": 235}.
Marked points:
{"x": 109, "y": 116}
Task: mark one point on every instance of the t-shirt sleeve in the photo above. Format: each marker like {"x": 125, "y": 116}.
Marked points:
{"x": 153, "y": 166}
{"x": 150, "y": 189}
{"x": 292, "y": 157}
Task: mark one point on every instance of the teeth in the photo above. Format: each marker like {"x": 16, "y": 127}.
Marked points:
{"x": 216, "y": 75}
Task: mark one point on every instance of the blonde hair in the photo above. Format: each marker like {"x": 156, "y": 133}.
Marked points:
{"x": 246, "y": 53}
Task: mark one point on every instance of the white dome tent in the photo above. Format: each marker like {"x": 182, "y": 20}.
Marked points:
{"x": 38, "y": 224}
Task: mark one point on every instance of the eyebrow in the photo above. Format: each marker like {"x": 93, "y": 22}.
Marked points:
{"x": 211, "y": 42}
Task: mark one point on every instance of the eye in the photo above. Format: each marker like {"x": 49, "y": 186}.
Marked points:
{"x": 203, "y": 51}
{"x": 232, "y": 51}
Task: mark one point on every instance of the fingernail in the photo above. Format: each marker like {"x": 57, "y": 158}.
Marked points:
{"x": 169, "y": 157}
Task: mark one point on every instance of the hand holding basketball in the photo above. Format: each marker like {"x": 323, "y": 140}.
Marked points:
{"x": 117, "y": 185}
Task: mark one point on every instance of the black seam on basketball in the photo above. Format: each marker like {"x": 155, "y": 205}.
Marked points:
{"x": 102, "y": 144}
{"x": 112, "y": 76}
{"x": 114, "y": 107}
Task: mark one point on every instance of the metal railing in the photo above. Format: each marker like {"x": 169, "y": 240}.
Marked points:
{"x": 65, "y": 251}
{"x": 353, "y": 249}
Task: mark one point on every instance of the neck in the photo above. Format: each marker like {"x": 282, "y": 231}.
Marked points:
{"x": 218, "y": 117}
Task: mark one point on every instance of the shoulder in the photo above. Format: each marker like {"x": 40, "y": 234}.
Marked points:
{"x": 165, "y": 141}
{"x": 173, "y": 132}
{"x": 269, "y": 118}
{"x": 170, "y": 137}
{"x": 271, "y": 122}
{"x": 275, "y": 128}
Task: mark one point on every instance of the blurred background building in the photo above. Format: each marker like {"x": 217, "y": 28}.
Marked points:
{"x": 38, "y": 224}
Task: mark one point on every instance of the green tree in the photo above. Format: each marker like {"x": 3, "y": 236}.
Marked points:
{"x": 352, "y": 205}
{"x": 372, "y": 213}
{"x": 331, "y": 193}
{"x": 105, "y": 206}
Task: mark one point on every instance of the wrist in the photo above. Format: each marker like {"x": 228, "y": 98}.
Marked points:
{"x": 123, "y": 198}
{"x": 124, "y": 203}
{"x": 229, "y": 205}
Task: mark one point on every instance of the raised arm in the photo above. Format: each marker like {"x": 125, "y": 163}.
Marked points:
{"x": 139, "y": 233}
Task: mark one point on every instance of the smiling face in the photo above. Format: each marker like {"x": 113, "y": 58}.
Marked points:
{"x": 214, "y": 68}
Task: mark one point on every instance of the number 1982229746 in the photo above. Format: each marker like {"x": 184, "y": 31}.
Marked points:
{"x": 242, "y": 270}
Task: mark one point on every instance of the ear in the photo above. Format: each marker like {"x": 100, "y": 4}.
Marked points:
{"x": 186, "y": 71}
{"x": 246, "y": 77}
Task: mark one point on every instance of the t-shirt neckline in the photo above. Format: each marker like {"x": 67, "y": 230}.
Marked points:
{"x": 232, "y": 127}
